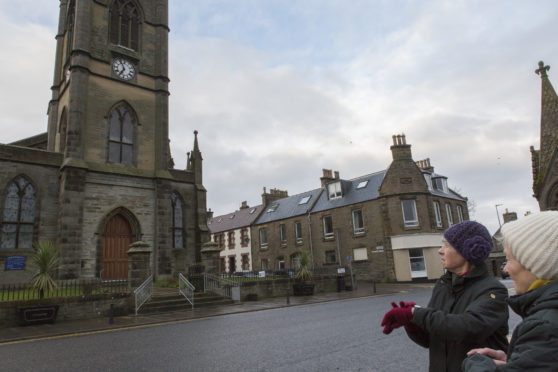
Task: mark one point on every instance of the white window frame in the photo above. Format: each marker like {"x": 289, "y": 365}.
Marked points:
{"x": 327, "y": 234}
{"x": 410, "y": 222}
{"x": 449, "y": 214}
{"x": 298, "y": 232}
{"x": 283, "y": 233}
{"x": 428, "y": 179}
{"x": 358, "y": 229}
{"x": 417, "y": 273}
{"x": 334, "y": 190}
{"x": 263, "y": 238}
{"x": 360, "y": 254}
{"x": 459, "y": 213}
{"x": 438, "y": 214}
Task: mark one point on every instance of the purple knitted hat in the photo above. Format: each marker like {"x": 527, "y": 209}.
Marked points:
{"x": 471, "y": 239}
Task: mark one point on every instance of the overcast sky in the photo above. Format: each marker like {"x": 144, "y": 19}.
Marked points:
{"x": 280, "y": 89}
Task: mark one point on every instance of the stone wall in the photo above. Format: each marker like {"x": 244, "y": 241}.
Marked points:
{"x": 278, "y": 287}
{"x": 70, "y": 308}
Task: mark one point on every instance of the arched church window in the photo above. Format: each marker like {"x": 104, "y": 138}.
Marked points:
{"x": 19, "y": 215}
{"x": 121, "y": 135}
{"x": 62, "y": 129}
{"x": 124, "y": 24}
{"x": 177, "y": 222}
{"x": 70, "y": 19}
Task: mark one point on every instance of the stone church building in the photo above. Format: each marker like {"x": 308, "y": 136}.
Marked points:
{"x": 102, "y": 175}
{"x": 545, "y": 160}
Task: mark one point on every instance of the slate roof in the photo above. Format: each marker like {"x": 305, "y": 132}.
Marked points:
{"x": 234, "y": 220}
{"x": 289, "y": 207}
{"x": 351, "y": 194}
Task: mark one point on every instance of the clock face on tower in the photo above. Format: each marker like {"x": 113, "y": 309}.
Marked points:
{"x": 123, "y": 68}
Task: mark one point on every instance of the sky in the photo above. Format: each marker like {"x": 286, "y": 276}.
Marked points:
{"x": 281, "y": 89}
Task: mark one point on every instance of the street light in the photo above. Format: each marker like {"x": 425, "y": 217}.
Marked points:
{"x": 498, "y": 214}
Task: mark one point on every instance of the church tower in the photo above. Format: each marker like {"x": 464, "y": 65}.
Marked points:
{"x": 108, "y": 116}
{"x": 545, "y": 160}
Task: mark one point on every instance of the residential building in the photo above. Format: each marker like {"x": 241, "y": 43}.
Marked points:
{"x": 233, "y": 234}
{"x": 102, "y": 176}
{"x": 545, "y": 159}
{"x": 282, "y": 230}
{"x": 386, "y": 225}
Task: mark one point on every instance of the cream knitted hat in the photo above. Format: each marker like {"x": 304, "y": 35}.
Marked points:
{"x": 533, "y": 242}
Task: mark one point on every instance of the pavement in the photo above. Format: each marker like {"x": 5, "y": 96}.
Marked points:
{"x": 98, "y": 325}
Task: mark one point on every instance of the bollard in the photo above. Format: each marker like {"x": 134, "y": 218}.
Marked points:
{"x": 111, "y": 314}
{"x": 288, "y": 300}
{"x": 374, "y": 285}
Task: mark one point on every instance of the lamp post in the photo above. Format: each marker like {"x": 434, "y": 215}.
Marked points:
{"x": 498, "y": 214}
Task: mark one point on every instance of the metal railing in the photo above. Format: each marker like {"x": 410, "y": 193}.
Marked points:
{"x": 215, "y": 284}
{"x": 186, "y": 288}
{"x": 64, "y": 288}
{"x": 143, "y": 292}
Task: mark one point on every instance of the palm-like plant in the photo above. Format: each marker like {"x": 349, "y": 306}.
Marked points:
{"x": 45, "y": 258}
{"x": 303, "y": 274}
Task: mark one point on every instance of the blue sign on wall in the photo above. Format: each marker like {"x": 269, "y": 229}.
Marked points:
{"x": 15, "y": 263}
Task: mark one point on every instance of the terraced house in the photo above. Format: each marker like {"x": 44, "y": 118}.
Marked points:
{"x": 232, "y": 233}
{"x": 388, "y": 225}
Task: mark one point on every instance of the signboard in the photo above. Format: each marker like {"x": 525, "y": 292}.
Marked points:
{"x": 15, "y": 263}
{"x": 341, "y": 270}
{"x": 261, "y": 274}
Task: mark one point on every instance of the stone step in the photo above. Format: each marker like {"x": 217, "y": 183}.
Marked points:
{"x": 167, "y": 301}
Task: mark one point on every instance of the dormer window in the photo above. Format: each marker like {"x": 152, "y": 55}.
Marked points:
{"x": 428, "y": 180}
{"x": 440, "y": 184}
{"x": 334, "y": 190}
{"x": 273, "y": 207}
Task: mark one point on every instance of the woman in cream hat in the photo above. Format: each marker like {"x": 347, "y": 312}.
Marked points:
{"x": 531, "y": 247}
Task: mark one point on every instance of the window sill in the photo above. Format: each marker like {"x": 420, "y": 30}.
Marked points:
{"x": 299, "y": 242}
{"x": 359, "y": 235}
{"x": 411, "y": 227}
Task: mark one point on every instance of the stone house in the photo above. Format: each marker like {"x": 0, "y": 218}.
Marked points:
{"x": 545, "y": 159}
{"x": 102, "y": 176}
{"x": 232, "y": 232}
{"x": 282, "y": 229}
{"x": 388, "y": 225}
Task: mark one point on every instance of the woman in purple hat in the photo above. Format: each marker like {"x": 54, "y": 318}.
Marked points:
{"x": 468, "y": 307}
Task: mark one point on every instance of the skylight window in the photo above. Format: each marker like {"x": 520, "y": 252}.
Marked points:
{"x": 304, "y": 200}
{"x": 252, "y": 210}
{"x": 231, "y": 216}
{"x": 362, "y": 184}
{"x": 272, "y": 208}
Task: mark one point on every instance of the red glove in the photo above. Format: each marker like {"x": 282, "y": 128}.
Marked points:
{"x": 397, "y": 317}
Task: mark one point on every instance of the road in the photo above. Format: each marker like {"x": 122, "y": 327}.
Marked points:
{"x": 335, "y": 336}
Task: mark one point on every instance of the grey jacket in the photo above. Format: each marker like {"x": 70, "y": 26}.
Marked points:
{"x": 534, "y": 343}
{"x": 465, "y": 312}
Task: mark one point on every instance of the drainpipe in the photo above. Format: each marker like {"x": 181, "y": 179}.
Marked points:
{"x": 338, "y": 247}
{"x": 310, "y": 240}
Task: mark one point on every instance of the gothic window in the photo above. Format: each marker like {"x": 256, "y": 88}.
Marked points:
{"x": 62, "y": 129}
{"x": 121, "y": 135}
{"x": 70, "y": 19}
{"x": 124, "y": 24}
{"x": 19, "y": 215}
{"x": 177, "y": 222}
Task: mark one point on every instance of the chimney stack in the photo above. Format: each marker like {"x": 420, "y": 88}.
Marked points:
{"x": 327, "y": 177}
{"x": 509, "y": 216}
{"x": 425, "y": 165}
{"x": 400, "y": 150}
{"x": 273, "y": 195}
{"x": 244, "y": 205}
{"x": 209, "y": 214}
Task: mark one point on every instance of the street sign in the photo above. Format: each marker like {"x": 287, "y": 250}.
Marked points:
{"x": 341, "y": 270}
{"x": 349, "y": 258}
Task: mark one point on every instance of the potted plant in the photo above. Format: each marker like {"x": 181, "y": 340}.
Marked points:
{"x": 46, "y": 260}
{"x": 303, "y": 286}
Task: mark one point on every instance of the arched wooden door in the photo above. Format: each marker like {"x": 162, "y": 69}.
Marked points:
{"x": 117, "y": 238}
